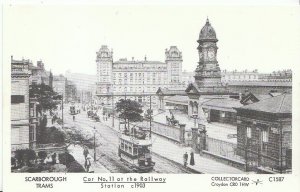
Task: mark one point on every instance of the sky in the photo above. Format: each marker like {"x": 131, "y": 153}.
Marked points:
{"x": 67, "y": 37}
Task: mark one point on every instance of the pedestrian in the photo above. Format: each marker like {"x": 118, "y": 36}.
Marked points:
{"x": 192, "y": 160}
{"x": 73, "y": 117}
{"x": 53, "y": 158}
{"x": 185, "y": 159}
{"x": 85, "y": 152}
{"x": 88, "y": 163}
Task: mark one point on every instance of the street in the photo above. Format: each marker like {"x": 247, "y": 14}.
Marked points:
{"x": 107, "y": 150}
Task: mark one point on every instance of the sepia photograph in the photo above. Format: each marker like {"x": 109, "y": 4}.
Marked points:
{"x": 151, "y": 89}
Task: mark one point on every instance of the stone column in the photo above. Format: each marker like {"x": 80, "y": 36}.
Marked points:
{"x": 182, "y": 133}
{"x": 195, "y": 136}
{"x": 190, "y": 110}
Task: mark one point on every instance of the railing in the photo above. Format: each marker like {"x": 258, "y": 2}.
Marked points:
{"x": 222, "y": 148}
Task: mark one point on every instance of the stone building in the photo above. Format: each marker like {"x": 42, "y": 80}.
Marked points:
{"x": 22, "y": 133}
{"x": 136, "y": 79}
{"x": 39, "y": 74}
{"x": 188, "y": 77}
{"x": 260, "y": 87}
{"x": 232, "y": 76}
{"x": 283, "y": 76}
{"x": 264, "y": 133}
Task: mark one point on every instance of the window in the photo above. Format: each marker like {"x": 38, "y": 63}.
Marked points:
{"x": 222, "y": 114}
{"x": 249, "y": 132}
{"x": 265, "y": 136}
{"x": 15, "y": 99}
{"x": 31, "y": 110}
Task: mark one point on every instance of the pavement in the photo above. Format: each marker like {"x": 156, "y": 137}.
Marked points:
{"x": 77, "y": 152}
{"x": 174, "y": 152}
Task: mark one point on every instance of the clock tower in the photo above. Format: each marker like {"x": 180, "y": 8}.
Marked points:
{"x": 208, "y": 73}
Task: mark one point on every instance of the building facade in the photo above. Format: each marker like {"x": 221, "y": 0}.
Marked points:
{"x": 278, "y": 76}
{"x": 39, "y": 74}
{"x": 135, "y": 79}
{"x": 232, "y": 76}
{"x": 188, "y": 77}
{"x": 264, "y": 133}
{"x": 22, "y": 133}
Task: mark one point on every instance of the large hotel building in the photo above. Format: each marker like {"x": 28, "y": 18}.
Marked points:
{"x": 136, "y": 79}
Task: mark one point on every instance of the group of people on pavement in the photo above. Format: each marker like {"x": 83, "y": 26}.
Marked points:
{"x": 186, "y": 157}
{"x": 87, "y": 157}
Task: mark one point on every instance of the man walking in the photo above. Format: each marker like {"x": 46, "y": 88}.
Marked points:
{"x": 85, "y": 152}
{"x": 185, "y": 159}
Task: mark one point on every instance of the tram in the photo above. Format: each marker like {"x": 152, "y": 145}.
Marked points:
{"x": 73, "y": 109}
{"x": 135, "y": 150}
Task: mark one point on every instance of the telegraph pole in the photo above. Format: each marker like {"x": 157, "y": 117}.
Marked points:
{"x": 113, "y": 111}
{"x": 94, "y": 143}
{"x": 150, "y": 116}
{"x": 62, "y": 110}
{"x": 246, "y": 153}
{"x": 280, "y": 147}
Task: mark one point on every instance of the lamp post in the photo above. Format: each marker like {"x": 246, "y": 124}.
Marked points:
{"x": 94, "y": 144}
{"x": 62, "y": 109}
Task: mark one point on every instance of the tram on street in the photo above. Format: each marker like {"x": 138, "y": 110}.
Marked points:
{"x": 136, "y": 151}
{"x": 73, "y": 109}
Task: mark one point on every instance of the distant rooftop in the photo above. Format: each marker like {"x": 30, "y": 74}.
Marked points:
{"x": 277, "y": 104}
{"x": 261, "y": 83}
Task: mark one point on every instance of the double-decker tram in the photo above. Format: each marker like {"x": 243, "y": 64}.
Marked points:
{"x": 135, "y": 150}
{"x": 73, "y": 109}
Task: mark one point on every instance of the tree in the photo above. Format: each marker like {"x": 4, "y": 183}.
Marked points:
{"x": 24, "y": 156}
{"x": 45, "y": 96}
{"x": 76, "y": 137}
{"x": 129, "y": 110}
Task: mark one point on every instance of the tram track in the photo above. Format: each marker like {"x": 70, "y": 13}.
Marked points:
{"x": 107, "y": 152}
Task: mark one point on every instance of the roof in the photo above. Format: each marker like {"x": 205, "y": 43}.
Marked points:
{"x": 168, "y": 91}
{"x": 261, "y": 83}
{"x": 207, "y": 32}
{"x": 221, "y": 90}
{"x": 277, "y": 104}
{"x": 178, "y": 98}
{"x": 225, "y": 104}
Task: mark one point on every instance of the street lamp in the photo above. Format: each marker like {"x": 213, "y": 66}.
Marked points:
{"x": 94, "y": 144}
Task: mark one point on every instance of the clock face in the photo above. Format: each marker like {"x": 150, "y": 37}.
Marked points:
{"x": 210, "y": 54}
{"x": 104, "y": 54}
